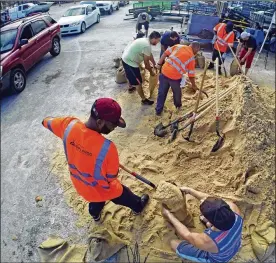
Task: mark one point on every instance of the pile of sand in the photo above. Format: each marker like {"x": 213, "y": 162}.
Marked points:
{"x": 243, "y": 170}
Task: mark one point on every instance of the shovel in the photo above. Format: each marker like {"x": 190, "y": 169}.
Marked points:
{"x": 197, "y": 102}
{"x": 220, "y": 140}
{"x": 235, "y": 57}
{"x": 225, "y": 73}
{"x": 141, "y": 178}
{"x": 160, "y": 129}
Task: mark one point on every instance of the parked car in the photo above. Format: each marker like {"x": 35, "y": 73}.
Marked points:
{"x": 123, "y": 2}
{"x": 23, "y": 43}
{"x": 4, "y": 17}
{"x": 28, "y": 9}
{"x": 78, "y": 18}
{"x": 108, "y": 6}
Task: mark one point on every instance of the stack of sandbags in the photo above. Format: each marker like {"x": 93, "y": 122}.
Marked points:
{"x": 120, "y": 75}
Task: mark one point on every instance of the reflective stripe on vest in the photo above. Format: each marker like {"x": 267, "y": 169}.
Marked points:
{"x": 221, "y": 41}
{"x": 183, "y": 68}
{"x": 49, "y": 125}
{"x": 98, "y": 165}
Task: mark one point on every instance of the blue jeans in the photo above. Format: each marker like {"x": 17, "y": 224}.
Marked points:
{"x": 164, "y": 86}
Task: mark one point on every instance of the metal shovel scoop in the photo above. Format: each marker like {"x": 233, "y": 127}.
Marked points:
{"x": 160, "y": 130}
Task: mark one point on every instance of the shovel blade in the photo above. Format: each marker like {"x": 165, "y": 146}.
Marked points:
{"x": 218, "y": 144}
{"x": 159, "y": 130}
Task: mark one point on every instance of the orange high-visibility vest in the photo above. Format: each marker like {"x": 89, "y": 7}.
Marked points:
{"x": 180, "y": 60}
{"x": 92, "y": 159}
{"x": 223, "y": 39}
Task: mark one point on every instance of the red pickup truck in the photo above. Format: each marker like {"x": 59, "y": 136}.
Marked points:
{"x": 23, "y": 43}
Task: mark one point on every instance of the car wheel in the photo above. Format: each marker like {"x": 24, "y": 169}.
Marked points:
{"x": 55, "y": 50}
{"x": 17, "y": 80}
{"x": 98, "y": 19}
{"x": 110, "y": 10}
{"x": 83, "y": 27}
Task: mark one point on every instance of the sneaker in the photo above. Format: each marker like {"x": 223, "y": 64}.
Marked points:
{"x": 144, "y": 201}
{"x": 147, "y": 102}
{"x": 158, "y": 113}
{"x": 131, "y": 89}
{"x": 219, "y": 71}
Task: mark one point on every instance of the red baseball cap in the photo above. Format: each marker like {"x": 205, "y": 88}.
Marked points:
{"x": 109, "y": 110}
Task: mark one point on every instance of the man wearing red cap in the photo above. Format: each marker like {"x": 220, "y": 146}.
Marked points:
{"x": 221, "y": 239}
{"x": 93, "y": 160}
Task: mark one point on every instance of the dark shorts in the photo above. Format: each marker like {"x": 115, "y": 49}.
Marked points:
{"x": 146, "y": 25}
{"x": 187, "y": 251}
{"x": 133, "y": 74}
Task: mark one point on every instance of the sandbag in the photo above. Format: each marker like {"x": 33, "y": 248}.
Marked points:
{"x": 120, "y": 75}
{"x": 263, "y": 240}
{"x": 200, "y": 60}
{"x": 170, "y": 195}
{"x": 153, "y": 81}
{"x": 234, "y": 68}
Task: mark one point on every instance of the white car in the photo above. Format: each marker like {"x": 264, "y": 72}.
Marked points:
{"x": 108, "y": 6}
{"x": 77, "y": 18}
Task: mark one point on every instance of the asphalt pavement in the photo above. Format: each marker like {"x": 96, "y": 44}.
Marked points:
{"x": 65, "y": 85}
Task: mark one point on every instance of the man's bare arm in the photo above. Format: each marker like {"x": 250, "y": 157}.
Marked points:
{"x": 247, "y": 54}
{"x": 238, "y": 48}
{"x": 162, "y": 59}
{"x": 197, "y": 194}
{"x": 152, "y": 60}
{"x": 199, "y": 240}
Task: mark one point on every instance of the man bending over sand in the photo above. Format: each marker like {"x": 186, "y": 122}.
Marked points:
{"x": 220, "y": 241}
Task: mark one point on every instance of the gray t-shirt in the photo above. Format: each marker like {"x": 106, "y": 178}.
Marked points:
{"x": 141, "y": 20}
{"x": 134, "y": 53}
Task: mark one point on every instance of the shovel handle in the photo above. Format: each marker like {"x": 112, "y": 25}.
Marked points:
{"x": 138, "y": 176}
{"x": 236, "y": 59}
{"x": 217, "y": 91}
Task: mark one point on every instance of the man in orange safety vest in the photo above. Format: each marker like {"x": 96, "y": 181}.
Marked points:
{"x": 224, "y": 36}
{"x": 93, "y": 160}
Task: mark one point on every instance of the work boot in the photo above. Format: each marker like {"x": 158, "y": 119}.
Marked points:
{"x": 211, "y": 65}
{"x": 97, "y": 219}
{"x": 147, "y": 102}
{"x": 144, "y": 201}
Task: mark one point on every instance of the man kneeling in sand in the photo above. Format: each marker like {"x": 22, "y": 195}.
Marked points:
{"x": 221, "y": 240}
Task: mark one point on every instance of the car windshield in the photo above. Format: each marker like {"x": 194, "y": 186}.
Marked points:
{"x": 7, "y": 40}
{"x": 75, "y": 12}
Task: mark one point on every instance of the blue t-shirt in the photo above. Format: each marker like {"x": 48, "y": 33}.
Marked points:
{"x": 167, "y": 41}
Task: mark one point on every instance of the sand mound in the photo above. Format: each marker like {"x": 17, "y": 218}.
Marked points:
{"x": 242, "y": 170}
